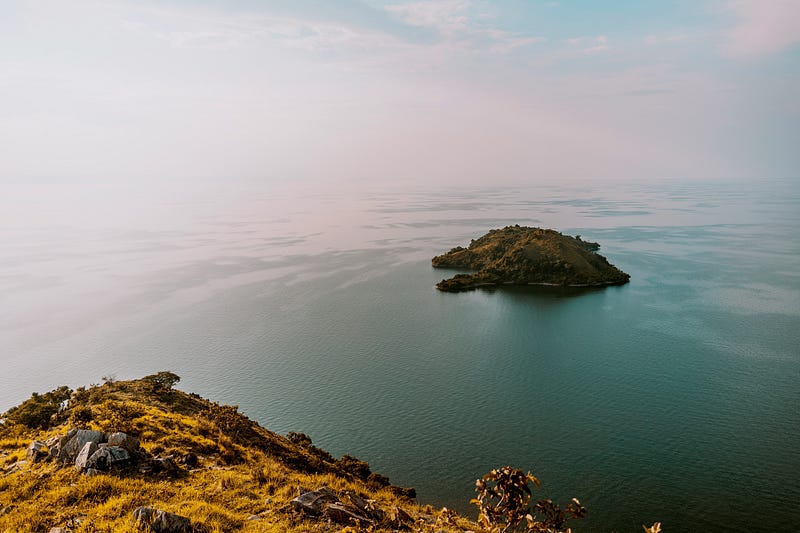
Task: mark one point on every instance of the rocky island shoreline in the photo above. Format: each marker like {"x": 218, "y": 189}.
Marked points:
{"x": 520, "y": 255}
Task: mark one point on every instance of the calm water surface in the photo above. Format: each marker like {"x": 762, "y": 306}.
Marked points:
{"x": 674, "y": 398}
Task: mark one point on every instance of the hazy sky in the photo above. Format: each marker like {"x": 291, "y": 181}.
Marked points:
{"x": 433, "y": 91}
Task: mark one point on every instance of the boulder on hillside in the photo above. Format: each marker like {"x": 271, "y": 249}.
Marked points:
{"x": 37, "y": 451}
{"x": 108, "y": 457}
{"x": 313, "y": 502}
{"x": 71, "y": 444}
{"x": 15, "y": 467}
{"x": 325, "y": 502}
{"x": 52, "y": 445}
{"x": 346, "y": 515}
{"x": 82, "y": 460}
{"x": 123, "y": 440}
{"x": 158, "y": 521}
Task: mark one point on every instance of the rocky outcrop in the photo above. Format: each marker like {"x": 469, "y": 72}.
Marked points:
{"x": 348, "y": 509}
{"x": 518, "y": 255}
{"x": 71, "y": 444}
{"x": 94, "y": 451}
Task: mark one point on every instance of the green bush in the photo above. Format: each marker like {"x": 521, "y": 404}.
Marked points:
{"x": 162, "y": 381}
{"x": 40, "y": 411}
{"x": 113, "y": 415}
{"x": 80, "y": 415}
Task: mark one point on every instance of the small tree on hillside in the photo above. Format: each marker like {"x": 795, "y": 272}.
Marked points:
{"x": 162, "y": 381}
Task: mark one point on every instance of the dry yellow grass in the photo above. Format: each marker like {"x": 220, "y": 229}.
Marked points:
{"x": 244, "y": 479}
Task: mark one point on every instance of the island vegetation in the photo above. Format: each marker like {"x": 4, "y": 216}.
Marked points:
{"x": 519, "y": 255}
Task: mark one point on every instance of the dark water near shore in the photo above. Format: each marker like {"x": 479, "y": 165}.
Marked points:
{"x": 675, "y": 398}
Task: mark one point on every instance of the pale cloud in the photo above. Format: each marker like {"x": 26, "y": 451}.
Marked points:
{"x": 208, "y": 40}
{"x": 447, "y": 16}
{"x": 440, "y": 89}
{"x": 506, "y": 42}
{"x": 652, "y": 40}
{"x": 764, "y": 27}
{"x": 581, "y": 46}
{"x": 600, "y": 45}
{"x": 212, "y": 30}
{"x": 457, "y": 31}
{"x": 457, "y": 27}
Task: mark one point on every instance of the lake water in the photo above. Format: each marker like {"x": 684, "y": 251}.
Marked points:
{"x": 675, "y": 398}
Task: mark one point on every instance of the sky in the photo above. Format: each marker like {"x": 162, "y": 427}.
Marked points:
{"x": 373, "y": 91}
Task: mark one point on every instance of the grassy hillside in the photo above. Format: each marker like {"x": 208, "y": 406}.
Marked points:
{"x": 224, "y": 471}
{"x": 92, "y": 459}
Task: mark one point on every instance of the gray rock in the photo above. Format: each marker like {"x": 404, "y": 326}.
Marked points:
{"x": 363, "y": 505}
{"x": 123, "y": 440}
{"x": 82, "y": 460}
{"x": 53, "y": 445}
{"x": 399, "y": 518}
{"x": 366, "y": 507}
{"x": 37, "y": 451}
{"x": 346, "y": 515}
{"x": 164, "y": 464}
{"x": 314, "y": 502}
{"x": 158, "y": 521}
{"x": 15, "y": 467}
{"x": 108, "y": 457}
{"x": 73, "y": 442}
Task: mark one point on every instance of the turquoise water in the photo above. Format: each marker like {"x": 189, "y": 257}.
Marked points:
{"x": 673, "y": 398}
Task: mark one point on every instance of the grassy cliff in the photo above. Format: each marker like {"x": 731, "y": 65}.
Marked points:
{"x": 141, "y": 455}
{"x": 198, "y": 459}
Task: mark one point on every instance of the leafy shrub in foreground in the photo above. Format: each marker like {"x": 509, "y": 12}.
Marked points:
{"x": 504, "y": 504}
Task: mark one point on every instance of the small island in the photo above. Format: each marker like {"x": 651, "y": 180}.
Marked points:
{"x": 519, "y": 255}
